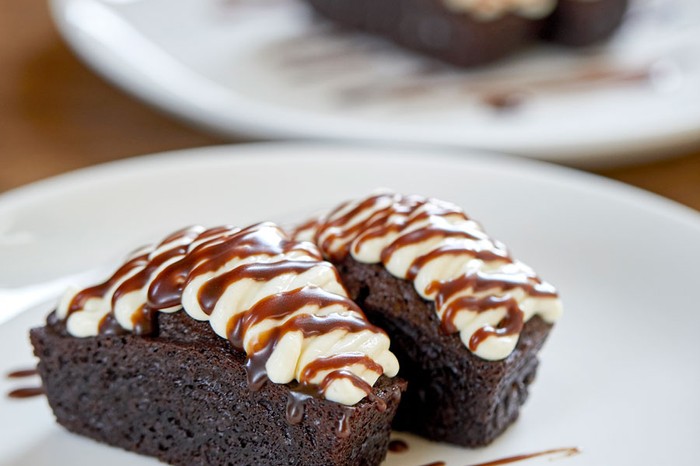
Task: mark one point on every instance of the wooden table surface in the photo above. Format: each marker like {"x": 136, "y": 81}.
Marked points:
{"x": 56, "y": 116}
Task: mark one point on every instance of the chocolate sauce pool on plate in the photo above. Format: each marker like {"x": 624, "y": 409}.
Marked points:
{"x": 556, "y": 452}
{"x": 24, "y": 392}
{"x": 398, "y": 446}
{"x": 561, "y": 452}
{"x": 21, "y": 373}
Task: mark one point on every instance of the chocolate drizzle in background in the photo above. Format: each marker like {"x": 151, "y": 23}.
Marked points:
{"x": 356, "y": 70}
{"x": 327, "y": 53}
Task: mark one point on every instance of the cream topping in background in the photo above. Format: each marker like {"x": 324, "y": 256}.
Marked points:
{"x": 488, "y": 10}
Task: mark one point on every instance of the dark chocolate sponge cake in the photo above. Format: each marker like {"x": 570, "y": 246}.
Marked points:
{"x": 465, "y": 319}
{"x": 474, "y": 32}
{"x": 300, "y": 376}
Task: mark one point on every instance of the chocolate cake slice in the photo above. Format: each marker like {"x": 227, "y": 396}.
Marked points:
{"x": 466, "y": 320}
{"x": 222, "y": 346}
{"x": 474, "y": 32}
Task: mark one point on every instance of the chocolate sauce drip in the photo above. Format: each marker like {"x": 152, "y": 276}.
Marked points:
{"x": 109, "y": 326}
{"x": 343, "y": 430}
{"x": 26, "y": 392}
{"x": 398, "y": 446}
{"x": 436, "y": 463}
{"x": 22, "y": 373}
{"x": 295, "y": 406}
{"x": 255, "y": 367}
{"x": 53, "y": 320}
{"x": 565, "y": 452}
{"x": 145, "y": 321}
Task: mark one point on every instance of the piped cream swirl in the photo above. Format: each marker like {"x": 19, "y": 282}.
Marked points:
{"x": 479, "y": 291}
{"x": 274, "y": 298}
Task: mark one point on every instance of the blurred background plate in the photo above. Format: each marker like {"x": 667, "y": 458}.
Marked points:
{"x": 619, "y": 375}
{"x": 268, "y": 69}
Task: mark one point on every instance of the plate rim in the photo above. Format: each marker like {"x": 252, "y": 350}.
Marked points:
{"x": 232, "y": 153}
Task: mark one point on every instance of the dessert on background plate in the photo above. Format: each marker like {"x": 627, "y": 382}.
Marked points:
{"x": 268, "y": 69}
{"x": 222, "y": 346}
{"x": 474, "y": 32}
{"x": 465, "y": 319}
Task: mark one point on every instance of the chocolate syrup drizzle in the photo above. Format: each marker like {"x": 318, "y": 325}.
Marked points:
{"x": 407, "y": 221}
{"x": 565, "y": 452}
{"x": 22, "y": 373}
{"x": 398, "y": 446}
{"x": 214, "y": 260}
{"x": 24, "y": 392}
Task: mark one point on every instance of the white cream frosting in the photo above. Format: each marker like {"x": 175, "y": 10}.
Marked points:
{"x": 370, "y": 226}
{"x": 294, "y": 352}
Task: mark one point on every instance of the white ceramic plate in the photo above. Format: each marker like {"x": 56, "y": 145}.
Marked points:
{"x": 265, "y": 68}
{"x": 619, "y": 377}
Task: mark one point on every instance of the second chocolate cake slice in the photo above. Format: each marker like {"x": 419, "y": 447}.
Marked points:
{"x": 466, "y": 319}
